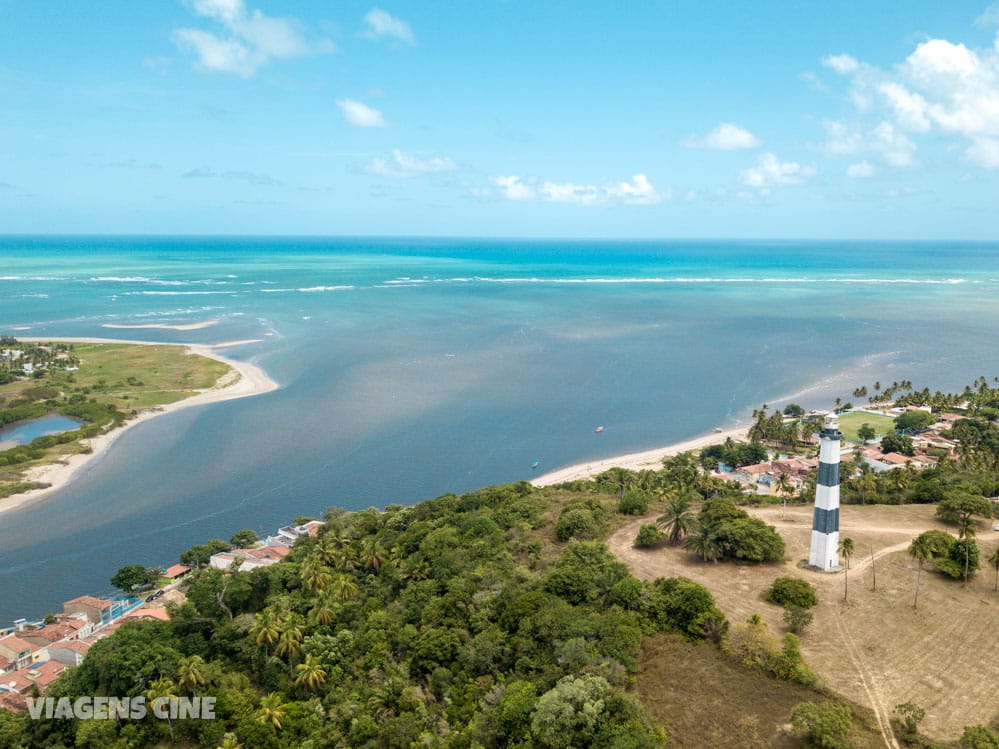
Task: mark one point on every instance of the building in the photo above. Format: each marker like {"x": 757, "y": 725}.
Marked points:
{"x": 99, "y": 611}
{"x": 16, "y": 653}
{"x": 824, "y": 551}
{"x": 69, "y": 653}
{"x": 37, "y": 675}
{"x": 176, "y": 571}
{"x": 250, "y": 559}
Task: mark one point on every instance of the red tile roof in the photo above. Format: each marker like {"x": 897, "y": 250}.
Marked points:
{"x": 96, "y": 603}
{"x": 157, "y": 612}
{"x": 16, "y": 644}
{"x": 176, "y": 570}
{"x": 39, "y": 675}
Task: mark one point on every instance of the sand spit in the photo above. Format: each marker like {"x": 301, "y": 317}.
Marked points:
{"x": 243, "y": 380}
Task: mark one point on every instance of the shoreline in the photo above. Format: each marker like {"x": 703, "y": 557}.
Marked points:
{"x": 243, "y": 380}
{"x": 646, "y": 459}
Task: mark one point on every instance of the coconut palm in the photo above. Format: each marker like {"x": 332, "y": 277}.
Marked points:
{"x": 784, "y": 488}
{"x": 190, "y": 673}
{"x": 314, "y": 574}
{"x": 290, "y": 641}
{"x": 324, "y": 612}
{"x": 678, "y": 519}
{"x": 372, "y": 555}
{"x": 310, "y": 673}
{"x": 846, "y": 551}
{"x": 266, "y": 629}
{"x": 344, "y": 588}
{"x": 702, "y": 540}
{"x": 920, "y": 550}
{"x": 993, "y": 559}
{"x": 272, "y": 711}
{"x": 163, "y": 689}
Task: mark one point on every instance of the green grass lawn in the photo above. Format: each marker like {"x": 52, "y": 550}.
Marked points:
{"x": 130, "y": 376}
{"x": 850, "y": 422}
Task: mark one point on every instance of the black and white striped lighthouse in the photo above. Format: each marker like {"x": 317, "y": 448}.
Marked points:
{"x": 824, "y": 553}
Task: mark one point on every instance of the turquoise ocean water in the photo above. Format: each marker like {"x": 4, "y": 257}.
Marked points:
{"x": 415, "y": 367}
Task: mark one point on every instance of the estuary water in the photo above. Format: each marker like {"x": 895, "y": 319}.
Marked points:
{"x": 410, "y": 368}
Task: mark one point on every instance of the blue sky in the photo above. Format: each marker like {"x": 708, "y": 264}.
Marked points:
{"x": 503, "y": 118}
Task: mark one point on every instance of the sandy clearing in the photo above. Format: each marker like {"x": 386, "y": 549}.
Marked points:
{"x": 875, "y": 648}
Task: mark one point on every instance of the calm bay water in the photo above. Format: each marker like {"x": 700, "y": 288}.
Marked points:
{"x": 414, "y": 367}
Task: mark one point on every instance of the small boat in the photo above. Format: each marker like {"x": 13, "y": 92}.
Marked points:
{"x": 598, "y": 430}
{"x": 534, "y": 465}
{"x": 717, "y": 430}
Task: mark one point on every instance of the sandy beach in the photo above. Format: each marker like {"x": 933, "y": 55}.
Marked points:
{"x": 242, "y": 381}
{"x": 647, "y": 459}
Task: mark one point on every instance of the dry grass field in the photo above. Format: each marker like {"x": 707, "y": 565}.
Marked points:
{"x": 875, "y": 648}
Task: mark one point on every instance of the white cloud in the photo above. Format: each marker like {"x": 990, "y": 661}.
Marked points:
{"x": 513, "y": 188}
{"x": 405, "y": 165}
{"x": 942, "y": 87}
{"x": 378, "y": 23}
{"x": 984, "y": 152}
{"x": 726, "y": 137}
{"x": 637, "y": 191}
{"x": 861, "y": 170}
{"x": 360, "y": 115}
{"x": 770, "y": 171}
{"x": 247, "y": 41}
{"x": 842, "y": 64}
{"x": 883, "y": 140}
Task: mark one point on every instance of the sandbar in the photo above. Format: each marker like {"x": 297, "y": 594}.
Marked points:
{"x": 243, "y": 380}
{"x": 164, "y": 326}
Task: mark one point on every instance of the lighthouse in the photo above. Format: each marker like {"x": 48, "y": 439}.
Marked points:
{"x": 824, "y": 553}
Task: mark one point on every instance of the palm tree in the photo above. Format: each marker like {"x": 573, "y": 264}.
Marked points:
{"x": 372, "y": 555}
{"x": 702, "y": 539}
{"x": 163, "y": 689}
{"x": 344, "y": 588}
{"x": 290, "y": 641}
{"x": 310, "y": 673}
{"x": 920, "y": 551}
{"x": 229, "y": 741}
{"x": 266, "y": 629}
{"x": 324, "y": 612}
{"x": 846, "y": 550}
{"x": 314, "y": 575}
{"x": 272, "y": 711}
{"x": 189, "y": 673}
{"x": 994, "y": 561}
{"x": 677, "y": 520}
{"x": 966, "y": 527}
{"x": 785, "y": 488}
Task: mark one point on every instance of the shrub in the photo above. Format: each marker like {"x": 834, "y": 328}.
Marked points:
{"x": 634, "y": 502}
{"x": 797, "y": 618}
{"x": 792, "y": 592}
{"x": 827, "y": 725}
{"x": 575, "y": 523}
{"x": 751, "y": 540}
{"x": 649, "y": 536}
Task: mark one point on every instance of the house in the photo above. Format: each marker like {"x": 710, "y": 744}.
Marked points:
{"x": 37, "y": 675}
{"x": 47, "y": 634}
{"x": 289, "y": 534}
{"x": 99, "y": 611}
{"x": 176, "y": 571}
{"x": 13, "y": 701}
{"x": 250, "y": 559}
{"x": 70, "y": 653}
{"x": 152, "y": 613}
{"x": 16, "y": 652}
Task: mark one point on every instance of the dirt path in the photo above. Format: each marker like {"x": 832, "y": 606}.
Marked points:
{"x": 873, "y": 648}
